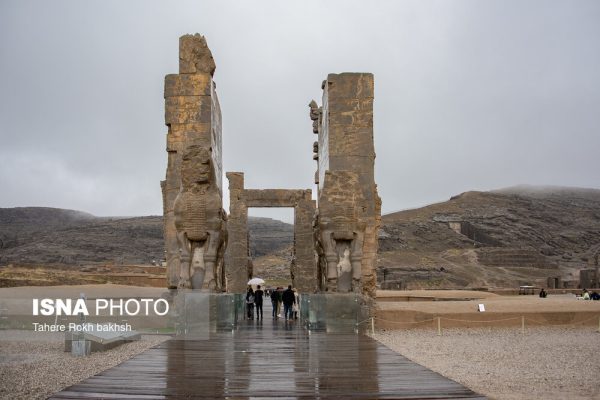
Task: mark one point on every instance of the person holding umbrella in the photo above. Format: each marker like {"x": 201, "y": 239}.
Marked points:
{"x": 258, "y": 302}
{"x": 251, "y": 297}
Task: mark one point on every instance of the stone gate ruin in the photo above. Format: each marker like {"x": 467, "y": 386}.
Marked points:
{"x": 303, "y": 270}
{"x": 335, "y": 237}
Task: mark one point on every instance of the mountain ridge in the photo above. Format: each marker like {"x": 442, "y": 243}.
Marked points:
{"x": 498, "y": 238}
{"x": 504, "y": 237}
{"x": 45, "y": 235}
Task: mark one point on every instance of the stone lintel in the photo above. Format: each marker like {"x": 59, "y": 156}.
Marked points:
{"x": 274, "y": 197}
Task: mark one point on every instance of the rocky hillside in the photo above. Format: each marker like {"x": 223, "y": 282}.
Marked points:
{"x": 35, "y": 235}
{"x": 503, "y": 238}
{"x": 269, "y": 236}
{"x": 521, "y": 235}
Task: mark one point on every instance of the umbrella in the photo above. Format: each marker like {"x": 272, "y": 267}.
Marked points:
{"x": 256, "y": 281}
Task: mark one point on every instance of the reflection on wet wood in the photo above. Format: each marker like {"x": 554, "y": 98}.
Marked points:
{"x": 269, "y": 359}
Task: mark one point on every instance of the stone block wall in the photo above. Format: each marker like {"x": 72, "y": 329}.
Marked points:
{"x": 588, "y": 279}
{"x": 513, "y": 257}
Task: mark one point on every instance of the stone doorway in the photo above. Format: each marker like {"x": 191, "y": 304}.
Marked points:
{"x": 270, "y": 243}
{"x": 303, "y": 266}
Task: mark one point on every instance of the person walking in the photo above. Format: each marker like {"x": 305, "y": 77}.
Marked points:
{"x": 258, "y": 302}
{"x": 296, "y": 306}
{"x": 250, "y": 302}
{"x": 279, "y": 302}
{"x": 288, "y": 301}
{"x": 274, "y": 302}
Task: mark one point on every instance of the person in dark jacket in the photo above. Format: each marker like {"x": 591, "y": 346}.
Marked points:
{"x": 275, "y": 301}
{"x": 258, "y": 302}
{"x": 289, "y": 299}
{"x": 250, "y": 302}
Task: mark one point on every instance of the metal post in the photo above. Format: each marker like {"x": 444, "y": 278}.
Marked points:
{"x": 373, "y": 325}
{"x": 439, "y": 326}
{"x": 523, "y": 324}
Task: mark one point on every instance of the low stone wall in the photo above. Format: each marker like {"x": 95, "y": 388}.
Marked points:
{"x": 501, "y": 257}
{"x": 410, "y": 319}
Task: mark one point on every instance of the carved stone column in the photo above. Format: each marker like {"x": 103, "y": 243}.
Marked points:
{"x": 193, "y": 118}
{"x": 236, "y": 256}
{"x": 349, "y": 208}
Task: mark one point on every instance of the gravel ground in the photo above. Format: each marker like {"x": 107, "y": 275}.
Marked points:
{"x": 543, "y": 363}
{"x": 34, "y": 365}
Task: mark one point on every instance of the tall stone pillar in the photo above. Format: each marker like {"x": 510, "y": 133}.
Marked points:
{"x": 194, "y": 222}
{"x": 349, "y": 207}
{"x": 304, "y": 271}
{"x": 236, "y": 257}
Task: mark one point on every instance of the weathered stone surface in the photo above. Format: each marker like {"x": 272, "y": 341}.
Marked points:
{"x": 193, "y": 116}
{"x": 199, "y": 222}
{"x": 351, "y": 141}
{"x": 180, "y": 135}
{"x": 273, "y": 197}
{"x": 334, "y": 252}
{"x": 303, "y": 267}
{"x": 195, "y": 56}
{"x": 349, "y": 208}
{"x": 187, "y": 109}
{"x": 349, "y": 85}
{"x": 188, "y": 84}
{"x": 236, "y": 255}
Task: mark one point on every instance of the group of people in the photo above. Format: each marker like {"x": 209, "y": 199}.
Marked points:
{"x": 585, "y": 295}
{"x": 287, "y": 298}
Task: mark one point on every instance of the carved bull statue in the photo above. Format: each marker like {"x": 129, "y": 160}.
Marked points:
{"x": 199, "y": 220}
{"x": 340, "y": 232}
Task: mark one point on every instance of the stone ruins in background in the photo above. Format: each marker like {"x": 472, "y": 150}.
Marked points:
{"x": 335, "y": 238}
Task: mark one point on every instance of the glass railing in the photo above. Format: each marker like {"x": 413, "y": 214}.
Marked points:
{"x": 333, "y": 312}
{"x": 197, "y": 314}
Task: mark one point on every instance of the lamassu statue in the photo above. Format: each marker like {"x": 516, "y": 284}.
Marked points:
{"x": 200, "y": 223}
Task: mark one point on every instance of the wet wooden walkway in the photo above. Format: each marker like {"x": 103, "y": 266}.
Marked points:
{"x": 269, "y": 359}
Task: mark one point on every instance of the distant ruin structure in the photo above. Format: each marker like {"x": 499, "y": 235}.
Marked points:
{"x": 335, "y": 237}
{"x": 194, "y": 221}
{"x": 303, "y": 272}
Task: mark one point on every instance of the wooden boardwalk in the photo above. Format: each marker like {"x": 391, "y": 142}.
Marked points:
{"x": 269, "y": 359}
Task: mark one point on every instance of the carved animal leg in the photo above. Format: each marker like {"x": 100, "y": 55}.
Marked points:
{"x": 173, "y": 262}
{"x": 356, "y": 259}
{"x": 198, "y": 267}
{"x": 184, "y": 261}
{"x": 331, "y": 258}
{"x": 221, "y": 283}
{"x": 210, "y": 259}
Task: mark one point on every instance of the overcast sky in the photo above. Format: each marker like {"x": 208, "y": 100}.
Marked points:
{"x": 469, "y": 95}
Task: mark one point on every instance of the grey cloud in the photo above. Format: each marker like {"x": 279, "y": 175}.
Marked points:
{"x": 469, "y": 94}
